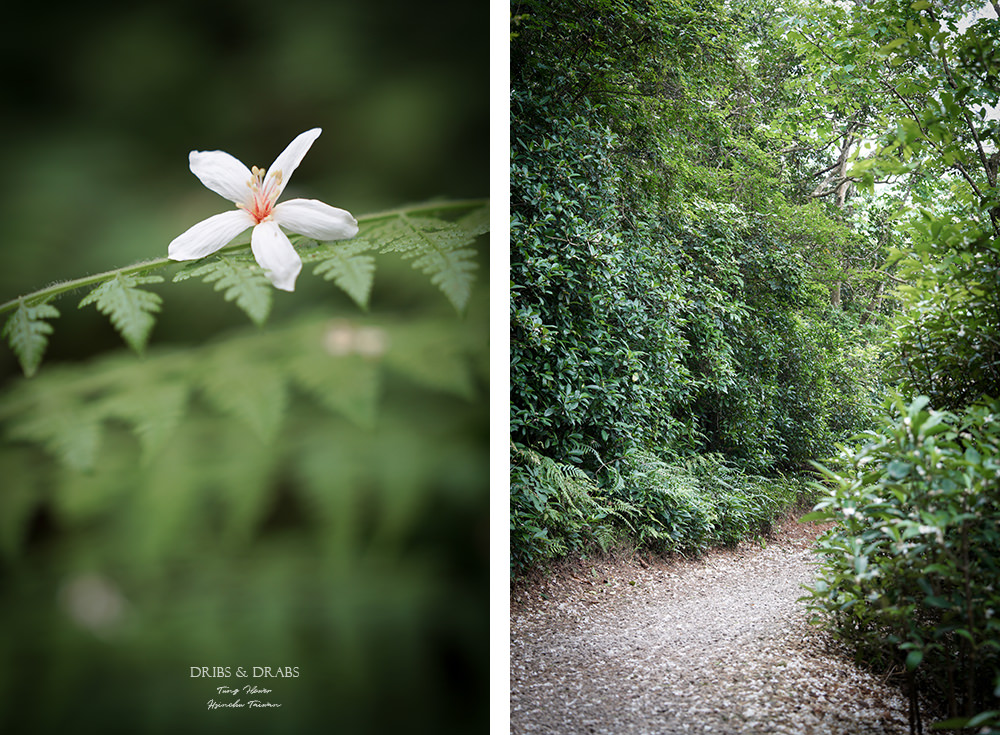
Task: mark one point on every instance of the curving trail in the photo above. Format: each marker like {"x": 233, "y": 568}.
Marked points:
{"x": 716, "y": 645}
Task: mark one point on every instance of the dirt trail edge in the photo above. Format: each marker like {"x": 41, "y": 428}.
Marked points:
{"x": 715, "y": 645}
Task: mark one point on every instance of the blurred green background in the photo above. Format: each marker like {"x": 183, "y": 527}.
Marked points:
{"x": 298, "y": 531}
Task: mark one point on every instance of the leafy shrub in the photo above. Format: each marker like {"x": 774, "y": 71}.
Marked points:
{"x": 662, "y": 300}
{"x": 667, "y": 297}
{"x": 949, "y": 329}
{"x": 909, "y": 573}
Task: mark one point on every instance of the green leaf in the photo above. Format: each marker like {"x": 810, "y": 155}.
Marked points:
{"x": 430, "y": 355}
{"x": 476, "y": 222}
{"x": 67, "y": 430}
{"x": 130, "y": 309}
{"x": 819, "y": 515}
{"x": 352, "y": 272}
{"x": 348, "y": 385}
{"x": 889, "y": 47}
{"x": 955, "y": 723}
{"x": 984, "y": 717}
{"x": 913, "y": 659}
{"x": 898, "y": 469}
{"x": 242, "y": 280}
{"x": 27, "y": 333}
{"x": 153, "y": 407}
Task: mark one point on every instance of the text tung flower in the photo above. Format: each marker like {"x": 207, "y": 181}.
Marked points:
{"x": 254, "y": 193}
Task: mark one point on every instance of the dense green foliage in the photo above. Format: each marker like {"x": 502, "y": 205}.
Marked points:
{"x": 684, "y": 506}
{"x": 669, "y": 279}
{"x": 733, "y": 225}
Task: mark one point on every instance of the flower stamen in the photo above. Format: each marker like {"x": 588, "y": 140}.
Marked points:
{"x": 263, "y": 195}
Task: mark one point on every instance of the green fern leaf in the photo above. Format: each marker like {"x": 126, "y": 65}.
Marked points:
{"x": 168, "y": 504}
{"x": 321, "y": 464}
{"x": 476, "y": 222}
{"x": 348, "y": 385}
{"x": 241, "y": 481}
{"x": 251, "y": 391}
{"x": 243, "y": 281}
{"x": 27, "y": 333}
{"x": 130, "y": 309}
{"x": 70, "y": 432}
{"x": 437, "y": 247}
{"x": 153, "y": 407}
{"x": 83, "y": 497}
{"x": 353, "y": 273}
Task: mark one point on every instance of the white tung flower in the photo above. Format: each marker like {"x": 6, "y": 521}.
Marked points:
{"x": 254, "y": 193}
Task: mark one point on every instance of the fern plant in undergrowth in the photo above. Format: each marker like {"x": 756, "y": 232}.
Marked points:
{"x": 680, "y": 505}
{"x": 690, "y": 504}
{"x": 555, "y": 509}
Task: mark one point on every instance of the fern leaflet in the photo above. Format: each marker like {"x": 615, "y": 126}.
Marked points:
{"x": 242, "y": 279}
{"x": 439, "y": 248}
{"x": 130, "y": 309}
{"x": 27, "y": 333}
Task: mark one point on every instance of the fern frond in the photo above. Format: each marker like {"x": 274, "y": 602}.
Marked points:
{"x": 27, "y": 333}
{"x": 242, "y": 280}
{"x": 254, "y": 392}
{"x": 339, "y": 364}
{"x": 348, "y": 264}
{"x": 153, "y": 407}
{"x": 438, "y": 248}
{"x": 130, "y": 308}
{"x": 68, "y": 430}
{"x": 430, "y": 355}
{"x": 477, "y": 221}
{"x": 349, "y": 385}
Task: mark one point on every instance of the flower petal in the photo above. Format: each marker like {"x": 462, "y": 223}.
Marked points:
{"x": 291, "y": 157}
{"x": 222, "y": 173}
{"x": 276, "y": 256}
{"x": 209, "y": 235}
{"x": 315, "y": 219}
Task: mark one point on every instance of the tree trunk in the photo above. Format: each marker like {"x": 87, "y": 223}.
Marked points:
{"x": 841, "y": 184}
{"x": 870, "y": 309}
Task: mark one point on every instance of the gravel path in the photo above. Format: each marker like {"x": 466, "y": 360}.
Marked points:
{"x": 716, "y": 645}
